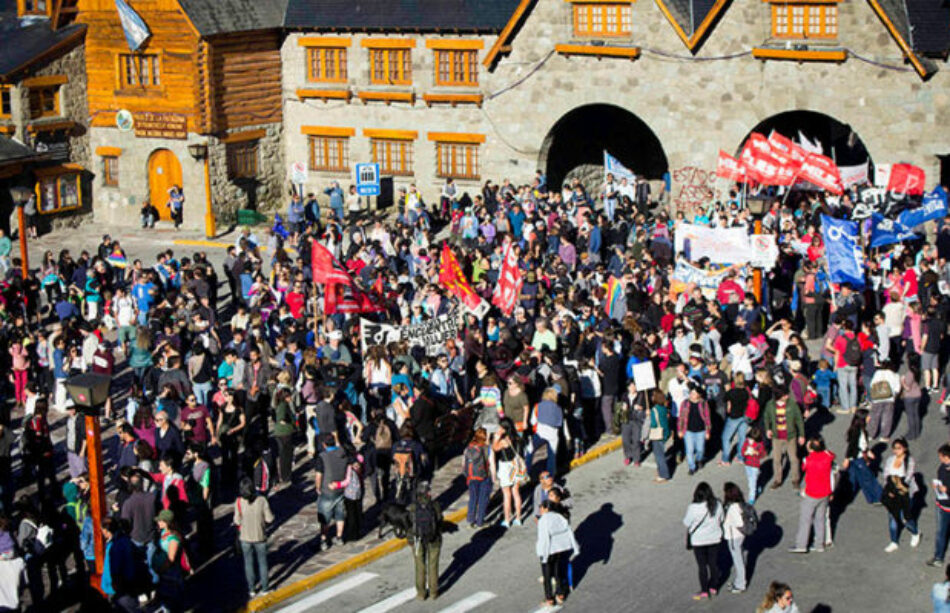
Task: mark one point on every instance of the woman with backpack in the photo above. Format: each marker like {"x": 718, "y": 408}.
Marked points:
{"x": 858, "y": 457}
{"x": 703, "y": 521}
{"x": 735, "y": 530}
{"x": 251, "y": 514}
{"x": 510, "y": 472}
{"x": 478, "y": 477}
{"x": 885, "y": 385}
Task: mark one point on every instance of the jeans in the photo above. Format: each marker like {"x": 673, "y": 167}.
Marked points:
{"x": 912, "y": 411}
{"x": 895, "y": 527}
{"x": 706, "y": 560}
{"x": 478, "y": 495}
{"x": 812, "y": 513}
{"x": 201, "y": 392}
{"x": 630, "y": 437}
{"x": 943, "y": 528}
{"x": 824, "y": 392}
{"x": 738, "y": 561}
{"x": 752, "y": 480}
{"x": 659, "y": 454}
{"x": 695, "y": 448}
{"x": 732, "y": 427}
{"x": 848, "y": 387}
{"x": 861, "y": 476}
{"x": 258, "y": 550}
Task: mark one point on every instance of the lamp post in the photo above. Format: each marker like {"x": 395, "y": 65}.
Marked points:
{"x": 757, "y": 206}
{"x": 21, "y": 195}
{"x": 89, "y": 392}
{"x": 199, "y": 151}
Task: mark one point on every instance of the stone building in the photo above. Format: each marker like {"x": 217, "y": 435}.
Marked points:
{"x": 661, "y": 85}
{"x": 198, "y": 106}
{"x": 43, "y": 115}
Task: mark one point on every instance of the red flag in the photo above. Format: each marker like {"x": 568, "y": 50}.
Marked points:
{"x": 787, "y": 146}
{"x": 906, "y": 179}
{"x": 766, "y": 164}
{"x": 510, "y": 281}
{"x": 340, "y": 298}
{"x": 326, "y": 268}
{"x": 452, "y": 277}
{"x": 729, "y": 167}
{"x": 821, "y": 171}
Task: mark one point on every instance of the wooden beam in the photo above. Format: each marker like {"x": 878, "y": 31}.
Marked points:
{"x": 109, "y": 151}
{"x": 504, "y": 38}
{"x": 451, "y": 43}
{"x": 631, "y": 53}
{"x": 391, "y": 134}
{"x": 56, "y": 79}
{"x": 456, "y": 137}
{"x": 327, "y": 131}
{"x": 387, "y": 97}
{"x": 452, "y": 99}
{"x": 324, "y": 41}
{"x": 333, "y": 94}
{"x": 809, "y": 55}
{"x": 388, "y": 43}
{"x": 243, "y": 137}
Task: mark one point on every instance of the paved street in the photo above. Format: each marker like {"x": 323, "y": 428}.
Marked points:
{"x": 633, "y": 557}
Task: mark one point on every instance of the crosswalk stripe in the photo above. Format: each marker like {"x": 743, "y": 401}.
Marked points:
{"x": 396, "y": 600}
{"x": 548, "y": 608}
{"x": 467, "y": 604}
{"x": 324, "y": 595}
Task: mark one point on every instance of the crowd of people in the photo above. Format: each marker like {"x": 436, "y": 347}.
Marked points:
{"x": 224, "y": 377}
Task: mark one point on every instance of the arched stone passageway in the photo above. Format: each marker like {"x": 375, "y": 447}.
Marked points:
{"x": 838, "y": 141}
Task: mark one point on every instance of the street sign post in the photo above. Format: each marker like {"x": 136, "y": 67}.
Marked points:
{"x": 367, "y": 179}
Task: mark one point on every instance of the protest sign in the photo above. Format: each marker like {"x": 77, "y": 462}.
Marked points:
{"x": 643, "y": 376}
{"x": 510, "y": 280}
{"x": 685, "y": 273}
{"x": 430, "y": 334}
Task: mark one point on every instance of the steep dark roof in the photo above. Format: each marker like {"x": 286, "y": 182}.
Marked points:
{"x": 428, "y": 15}
{"x": 692, "y": 20}
{"x": 226, "y": 16}
{"x": 929, "y": 26}
{"x": 894, "y": 14}
{"x": 23, "y": 46}
{"x": 12, "y": 151}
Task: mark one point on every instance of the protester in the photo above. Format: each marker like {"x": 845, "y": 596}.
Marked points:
{"x": 426, "y": 538}
{"x": 817, "y": 492}
{"x": 778, "y": 599}
{"x": 555, "y": 546}
{"x": 704, "y": 532}
{"x": 251, "y": 515}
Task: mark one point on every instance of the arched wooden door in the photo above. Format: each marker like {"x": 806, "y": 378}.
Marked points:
{"x": 164, "y": 171}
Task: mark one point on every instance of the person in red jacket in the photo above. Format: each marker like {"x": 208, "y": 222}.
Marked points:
{"x": 818, "y": 466}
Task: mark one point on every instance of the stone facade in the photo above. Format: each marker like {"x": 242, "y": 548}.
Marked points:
{"x": 695, "y": 105}
{"x": 264, "y": 192}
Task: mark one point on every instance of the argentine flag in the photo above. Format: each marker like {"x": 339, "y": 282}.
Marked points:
{"x": 136, "y": 32}
{"x": 613, "y": 166}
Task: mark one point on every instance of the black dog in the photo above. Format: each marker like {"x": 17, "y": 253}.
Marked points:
{"x": 396, "y": 516}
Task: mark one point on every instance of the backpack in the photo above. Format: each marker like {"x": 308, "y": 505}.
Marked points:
{"x": 424, "y": 527}
{"x": 402, "y": 460}
{"x": 852, "y": 351}
{"x": 383, "y": 439}
{"x": 750, "y": 520}
{"x": 752, "y": 409}
{"x": 476, "y": 466}
{"x": 622, "y": 415}
{"x": 881, "y": 390}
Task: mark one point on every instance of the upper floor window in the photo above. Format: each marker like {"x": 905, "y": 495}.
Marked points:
{"x": 33, "y": 7}
{"x": 326, "y": 64}
{"x": 602, "y": 19}
{"x": 44, "y": 102}
{"x": 6, "y": 101}
{"x": 804, "y": 20}
{"x": 456, "y": 67}
{"x": 139, "y": 70}
{"x": 390, "y": 66}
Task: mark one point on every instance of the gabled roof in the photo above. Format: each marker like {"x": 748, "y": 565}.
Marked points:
{"x": 929, "y": 26}
{"x": 417, "y": 15}
{"x": 692, "y": 20}
{"x": 24, "y": 46}
{"x": 13, "y": 151}
{"x": 512, "y": 25}
{"x": 211, "y": 17}
{"x": 894, "y": 16}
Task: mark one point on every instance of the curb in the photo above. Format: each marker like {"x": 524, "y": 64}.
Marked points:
{"x": 384, "y": 549}
{"x": 200, "y": 243}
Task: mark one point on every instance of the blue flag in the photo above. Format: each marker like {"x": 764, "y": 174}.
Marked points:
{"x": 136, "y": 32}
{"x": 613, "y": 166}
{"x": 887, "y": 231}
{"x": 845, "y": 259}
{"x": 934, "y": 206}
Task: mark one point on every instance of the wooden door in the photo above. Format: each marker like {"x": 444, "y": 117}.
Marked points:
{"x": 164, "y": 171}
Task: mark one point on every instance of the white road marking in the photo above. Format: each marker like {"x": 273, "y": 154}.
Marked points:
{"x": 467, "y": 604}
{"x": 308, "y": 603}
{"x": 548, "y": 608}
{"x": 396, "y": 600}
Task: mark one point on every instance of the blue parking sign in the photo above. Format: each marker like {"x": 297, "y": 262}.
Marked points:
{"x": 367, "y": 179}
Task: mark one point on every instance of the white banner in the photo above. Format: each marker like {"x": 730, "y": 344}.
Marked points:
{"x": 430, "y": 334}
{"x": 854, "y": 175}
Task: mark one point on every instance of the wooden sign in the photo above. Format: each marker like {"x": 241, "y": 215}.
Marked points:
{"x": 161, "y": 125}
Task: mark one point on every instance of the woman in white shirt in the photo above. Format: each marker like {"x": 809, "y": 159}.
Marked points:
{"x": 703, "y": 523}
{"x": 732, "y": 529}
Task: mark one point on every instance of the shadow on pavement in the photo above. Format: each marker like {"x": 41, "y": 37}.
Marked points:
{"x": 768, "y": 536}
{"x": 595, "y": 536}
{"x": 468, "y": 555}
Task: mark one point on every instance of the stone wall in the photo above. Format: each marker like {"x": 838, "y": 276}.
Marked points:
{"x": 265, "y": 192}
